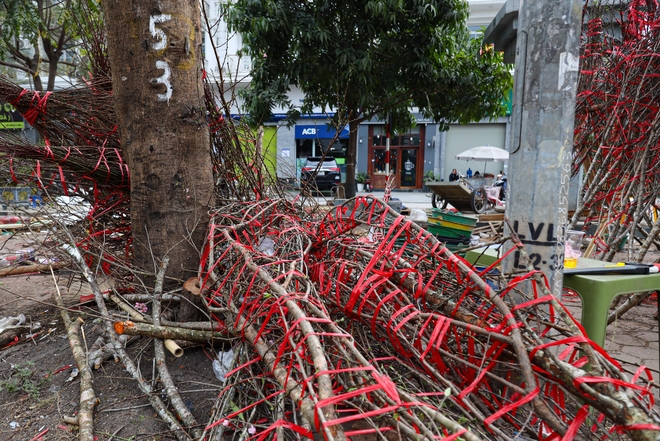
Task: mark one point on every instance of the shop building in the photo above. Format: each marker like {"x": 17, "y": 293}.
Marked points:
{"x": 421, "y": 150}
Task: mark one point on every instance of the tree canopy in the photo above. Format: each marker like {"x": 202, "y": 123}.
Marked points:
{"x": 370, "y": 57}
{"x": 367, "y": 58}
{"x": 35, "y": 34}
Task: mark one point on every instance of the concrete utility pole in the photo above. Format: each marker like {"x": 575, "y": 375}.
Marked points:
{"x": 439, "y": 160}
{"x": 547, "y": 56}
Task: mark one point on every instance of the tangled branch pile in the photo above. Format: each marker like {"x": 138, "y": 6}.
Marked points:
{"x": 349, "y": 322}
{"x": 617, "y": 141}
{"x": 368, "y": 324}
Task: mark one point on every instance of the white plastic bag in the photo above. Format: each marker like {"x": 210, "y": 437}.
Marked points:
{"x": 223, "y": 363}
{"x": 267, "y": 246}
{"x": 418, "y": 215}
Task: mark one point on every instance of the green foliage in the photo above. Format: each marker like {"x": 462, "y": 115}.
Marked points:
{"x": 22, "y": 379}
{"x": 368, "y": 58}
{"x": 19, "y": 15}
{"x": 361, "y": 177}
{"x": 430, "y": 176}
{"x": 35, "y": 34}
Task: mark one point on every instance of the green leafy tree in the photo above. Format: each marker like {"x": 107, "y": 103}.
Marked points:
{"x": 369, "y": 58}
{"x": 35, "y": 34}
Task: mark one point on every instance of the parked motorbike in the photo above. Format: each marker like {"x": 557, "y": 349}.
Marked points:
{"x": 491, "y": 197}
{"x": 501, "y": 183}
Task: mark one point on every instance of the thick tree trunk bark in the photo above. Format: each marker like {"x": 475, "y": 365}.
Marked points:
{"x": 52, "y": 74}
{"x": 155, "y": 56}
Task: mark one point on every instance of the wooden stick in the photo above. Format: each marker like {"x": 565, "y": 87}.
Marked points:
{"x": 170, "y": 388}
{"x": 24, "y": 269}
{"x": 132, "y": 369}
{"x": 592, "y": 244}
{"x": 168, "y": 332}
{"x": 170, "y": 344}
{"x": 88, "y": 398}
{"x": 149, "y": 297}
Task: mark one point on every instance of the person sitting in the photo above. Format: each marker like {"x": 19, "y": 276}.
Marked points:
{"x": 454, "y": 176}
{"x": 477, "y": 174}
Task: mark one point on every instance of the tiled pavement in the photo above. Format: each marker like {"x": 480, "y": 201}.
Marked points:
{"x": 632, "y": 340}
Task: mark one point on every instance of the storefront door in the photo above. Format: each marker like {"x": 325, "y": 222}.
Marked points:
{"x": 408, "y": 168}
{"x": 406, "y": 161}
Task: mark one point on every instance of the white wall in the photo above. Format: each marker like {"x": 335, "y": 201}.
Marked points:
{"x": 463, "y": 137}
{"x": 482, "y": 12}
{"x": 227, "y": 44}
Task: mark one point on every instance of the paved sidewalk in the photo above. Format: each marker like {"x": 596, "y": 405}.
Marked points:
{"x": 633, "y": 340}
{"x": 410, "y": 199}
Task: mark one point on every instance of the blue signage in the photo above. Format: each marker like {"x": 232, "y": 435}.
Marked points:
{"x": 321, "y": 131}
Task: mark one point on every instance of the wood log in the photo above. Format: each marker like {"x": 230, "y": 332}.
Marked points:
{"x": 170, "y": 344}
{"x": 88, "y": 399}
{"x": 168, "y": 332}
{"x": 148, "y": 297}
{"x": 24, "y": 269}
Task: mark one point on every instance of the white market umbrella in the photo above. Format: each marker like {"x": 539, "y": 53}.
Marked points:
{"x": 486, "y": 153}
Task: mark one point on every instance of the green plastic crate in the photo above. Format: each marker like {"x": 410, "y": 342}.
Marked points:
{"x": 451, "y": 233}
{"x": 457, "y": 218}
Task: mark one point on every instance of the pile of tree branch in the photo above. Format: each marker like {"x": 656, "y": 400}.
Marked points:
{"x": 345, "y": 322}
{"x": 366, "y": 323}
{"x": 617, "y": 141}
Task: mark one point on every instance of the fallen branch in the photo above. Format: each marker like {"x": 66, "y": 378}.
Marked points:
{"x": 170, "y": 344}
{"x": 170, "y": 388}
{"x": 626, "y": 306}
{"x": 168, "y": 332}
{"x": 25, "y": 269}
{"x": 132, "y": 369}
{"x": 149, "y": 297}
{"x": 88, "y": 398}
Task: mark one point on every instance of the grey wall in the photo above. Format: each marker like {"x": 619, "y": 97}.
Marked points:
{"x": 363, "y": 148}
{"x": 464, "y": 137}
{"x": 286, "y": 139}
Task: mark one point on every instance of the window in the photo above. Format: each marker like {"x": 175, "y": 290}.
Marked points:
{"x": 411, "y": 138}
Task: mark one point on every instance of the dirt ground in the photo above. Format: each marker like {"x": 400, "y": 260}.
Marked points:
{"x": 36, "y": 385}
{"x": 37, "y": 389}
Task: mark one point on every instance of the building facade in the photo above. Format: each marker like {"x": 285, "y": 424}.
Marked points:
{"x": 413, "y": 155}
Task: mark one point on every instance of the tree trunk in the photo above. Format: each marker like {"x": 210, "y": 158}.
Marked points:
{"x": 155, "y": 57}
{"x": 52, "y": 72}
{"x": 33, "y": 65}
